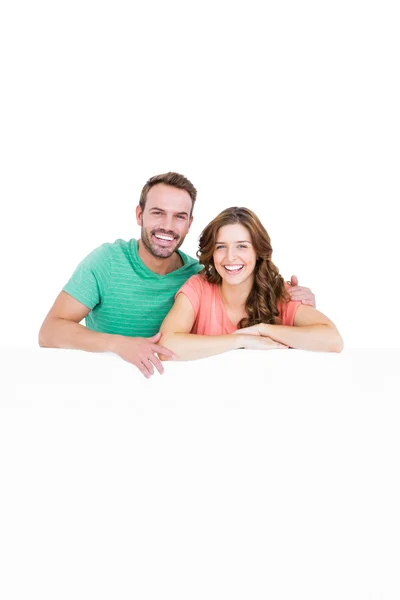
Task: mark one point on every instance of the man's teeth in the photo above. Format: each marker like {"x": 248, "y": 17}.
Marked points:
{"x": 164, "y": 237}
{"x": 233, "y": 268}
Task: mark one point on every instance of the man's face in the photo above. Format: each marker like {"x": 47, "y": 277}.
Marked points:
{"x": 165, "y": 220}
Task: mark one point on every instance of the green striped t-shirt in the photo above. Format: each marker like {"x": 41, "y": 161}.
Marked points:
{"x": 124, "y": 296}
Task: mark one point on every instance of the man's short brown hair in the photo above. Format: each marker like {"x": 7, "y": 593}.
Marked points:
{"x": 172, "y": 179}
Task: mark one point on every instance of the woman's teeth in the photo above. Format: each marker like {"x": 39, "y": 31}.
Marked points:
{"x": 233, "y": 268}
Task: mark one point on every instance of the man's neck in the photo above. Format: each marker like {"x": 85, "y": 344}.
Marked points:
{"x": 161, "y": 266}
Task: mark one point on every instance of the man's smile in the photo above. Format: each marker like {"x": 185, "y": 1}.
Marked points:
{"x": 164, "y": 239}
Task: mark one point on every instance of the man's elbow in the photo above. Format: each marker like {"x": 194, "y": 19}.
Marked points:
{"x": 44, "y": 337}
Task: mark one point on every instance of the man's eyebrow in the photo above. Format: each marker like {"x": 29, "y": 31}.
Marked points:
{"x": 162, "y": 210}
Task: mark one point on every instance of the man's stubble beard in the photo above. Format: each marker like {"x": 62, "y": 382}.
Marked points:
{"x": 159, "y": 251}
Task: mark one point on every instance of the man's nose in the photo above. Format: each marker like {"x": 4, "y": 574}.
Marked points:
{"x": 167, "y": 223}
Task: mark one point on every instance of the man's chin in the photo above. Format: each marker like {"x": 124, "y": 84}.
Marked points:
{"x": 161, "y": 252}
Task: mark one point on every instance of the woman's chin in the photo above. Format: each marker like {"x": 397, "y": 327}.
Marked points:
{"x": 232, "y": 279}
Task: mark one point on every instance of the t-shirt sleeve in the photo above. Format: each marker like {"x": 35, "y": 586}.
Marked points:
{"x": 287, "y": 311}
{"x": 192, "y": 290}
{"x": 87, "y": 281}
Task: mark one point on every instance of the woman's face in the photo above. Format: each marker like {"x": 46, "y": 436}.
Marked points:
{"x": 234, "y": 254}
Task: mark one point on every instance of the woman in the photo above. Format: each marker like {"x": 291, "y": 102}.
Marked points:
{"x": 239, "y": 300}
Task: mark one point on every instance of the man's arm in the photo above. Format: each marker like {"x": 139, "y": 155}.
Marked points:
{"x": 61, "y": 329}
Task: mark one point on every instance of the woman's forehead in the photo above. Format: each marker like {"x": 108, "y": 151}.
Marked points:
{"x": 233, "y": 233}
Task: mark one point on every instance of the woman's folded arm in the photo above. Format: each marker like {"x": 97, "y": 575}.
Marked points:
{"x": 176, "y": 335}
{"x": 312, "y": 330}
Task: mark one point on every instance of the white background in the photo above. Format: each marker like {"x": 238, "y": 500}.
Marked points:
{"x": 239, "y": 476}
{"x": 288, "y": 108}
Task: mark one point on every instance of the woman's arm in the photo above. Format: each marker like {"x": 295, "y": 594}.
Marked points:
{"x": 188, "y": 346}
{"x": 312, "y": 330}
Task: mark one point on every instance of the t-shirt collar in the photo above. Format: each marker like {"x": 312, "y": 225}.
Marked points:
{"x": 138, "y": 262}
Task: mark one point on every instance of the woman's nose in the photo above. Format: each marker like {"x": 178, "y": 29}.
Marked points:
{"x": 231, "y": 254}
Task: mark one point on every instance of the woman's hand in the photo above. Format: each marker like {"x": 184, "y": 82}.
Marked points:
{"x": 252, "y": 330}
{"x": 256, "y": 341}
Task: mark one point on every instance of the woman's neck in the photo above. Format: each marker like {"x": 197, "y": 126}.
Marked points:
{"x": 235, "y": 296}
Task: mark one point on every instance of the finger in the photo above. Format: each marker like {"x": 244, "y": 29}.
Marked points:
{"x": 300, "y": 296}
{"x": 162, "y": 350}
{"x": 144, "y": 370}
{"x": 157, "y": 364}
{"x": 294, "y": 281}
{"x": 294, "y": 291}
{"x": 148, "y": 362}
{"x": 275, "y": 344}
{"x": 299, "y": 288}
{"x": 308, "y": 302}
{"x": 306, "y": 297}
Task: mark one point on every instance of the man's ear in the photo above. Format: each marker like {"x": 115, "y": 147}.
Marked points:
{"x": 190, "y": 222}
{"x": 139, "y": 214}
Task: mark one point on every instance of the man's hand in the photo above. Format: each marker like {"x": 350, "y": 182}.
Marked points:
{"x": 141, "y": 352}
{"x": 300, "y": 294}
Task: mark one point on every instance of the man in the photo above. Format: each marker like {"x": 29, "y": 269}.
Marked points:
{"x": 125, "y": 289}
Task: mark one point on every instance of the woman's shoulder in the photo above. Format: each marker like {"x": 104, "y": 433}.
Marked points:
{"x": 199, "y": 282}
{"x": 287, "y": 310}
{"x": 198, "y": 290}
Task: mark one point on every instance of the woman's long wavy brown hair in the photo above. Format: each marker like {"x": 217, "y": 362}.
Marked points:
{"x": 269, "y": 287}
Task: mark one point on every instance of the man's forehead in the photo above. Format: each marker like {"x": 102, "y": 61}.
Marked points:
{"x": 168, "y": 197}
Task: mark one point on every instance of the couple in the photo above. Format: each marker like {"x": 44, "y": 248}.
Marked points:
{"x": 125, "y": 290}
{"x": 240, "y": 292}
